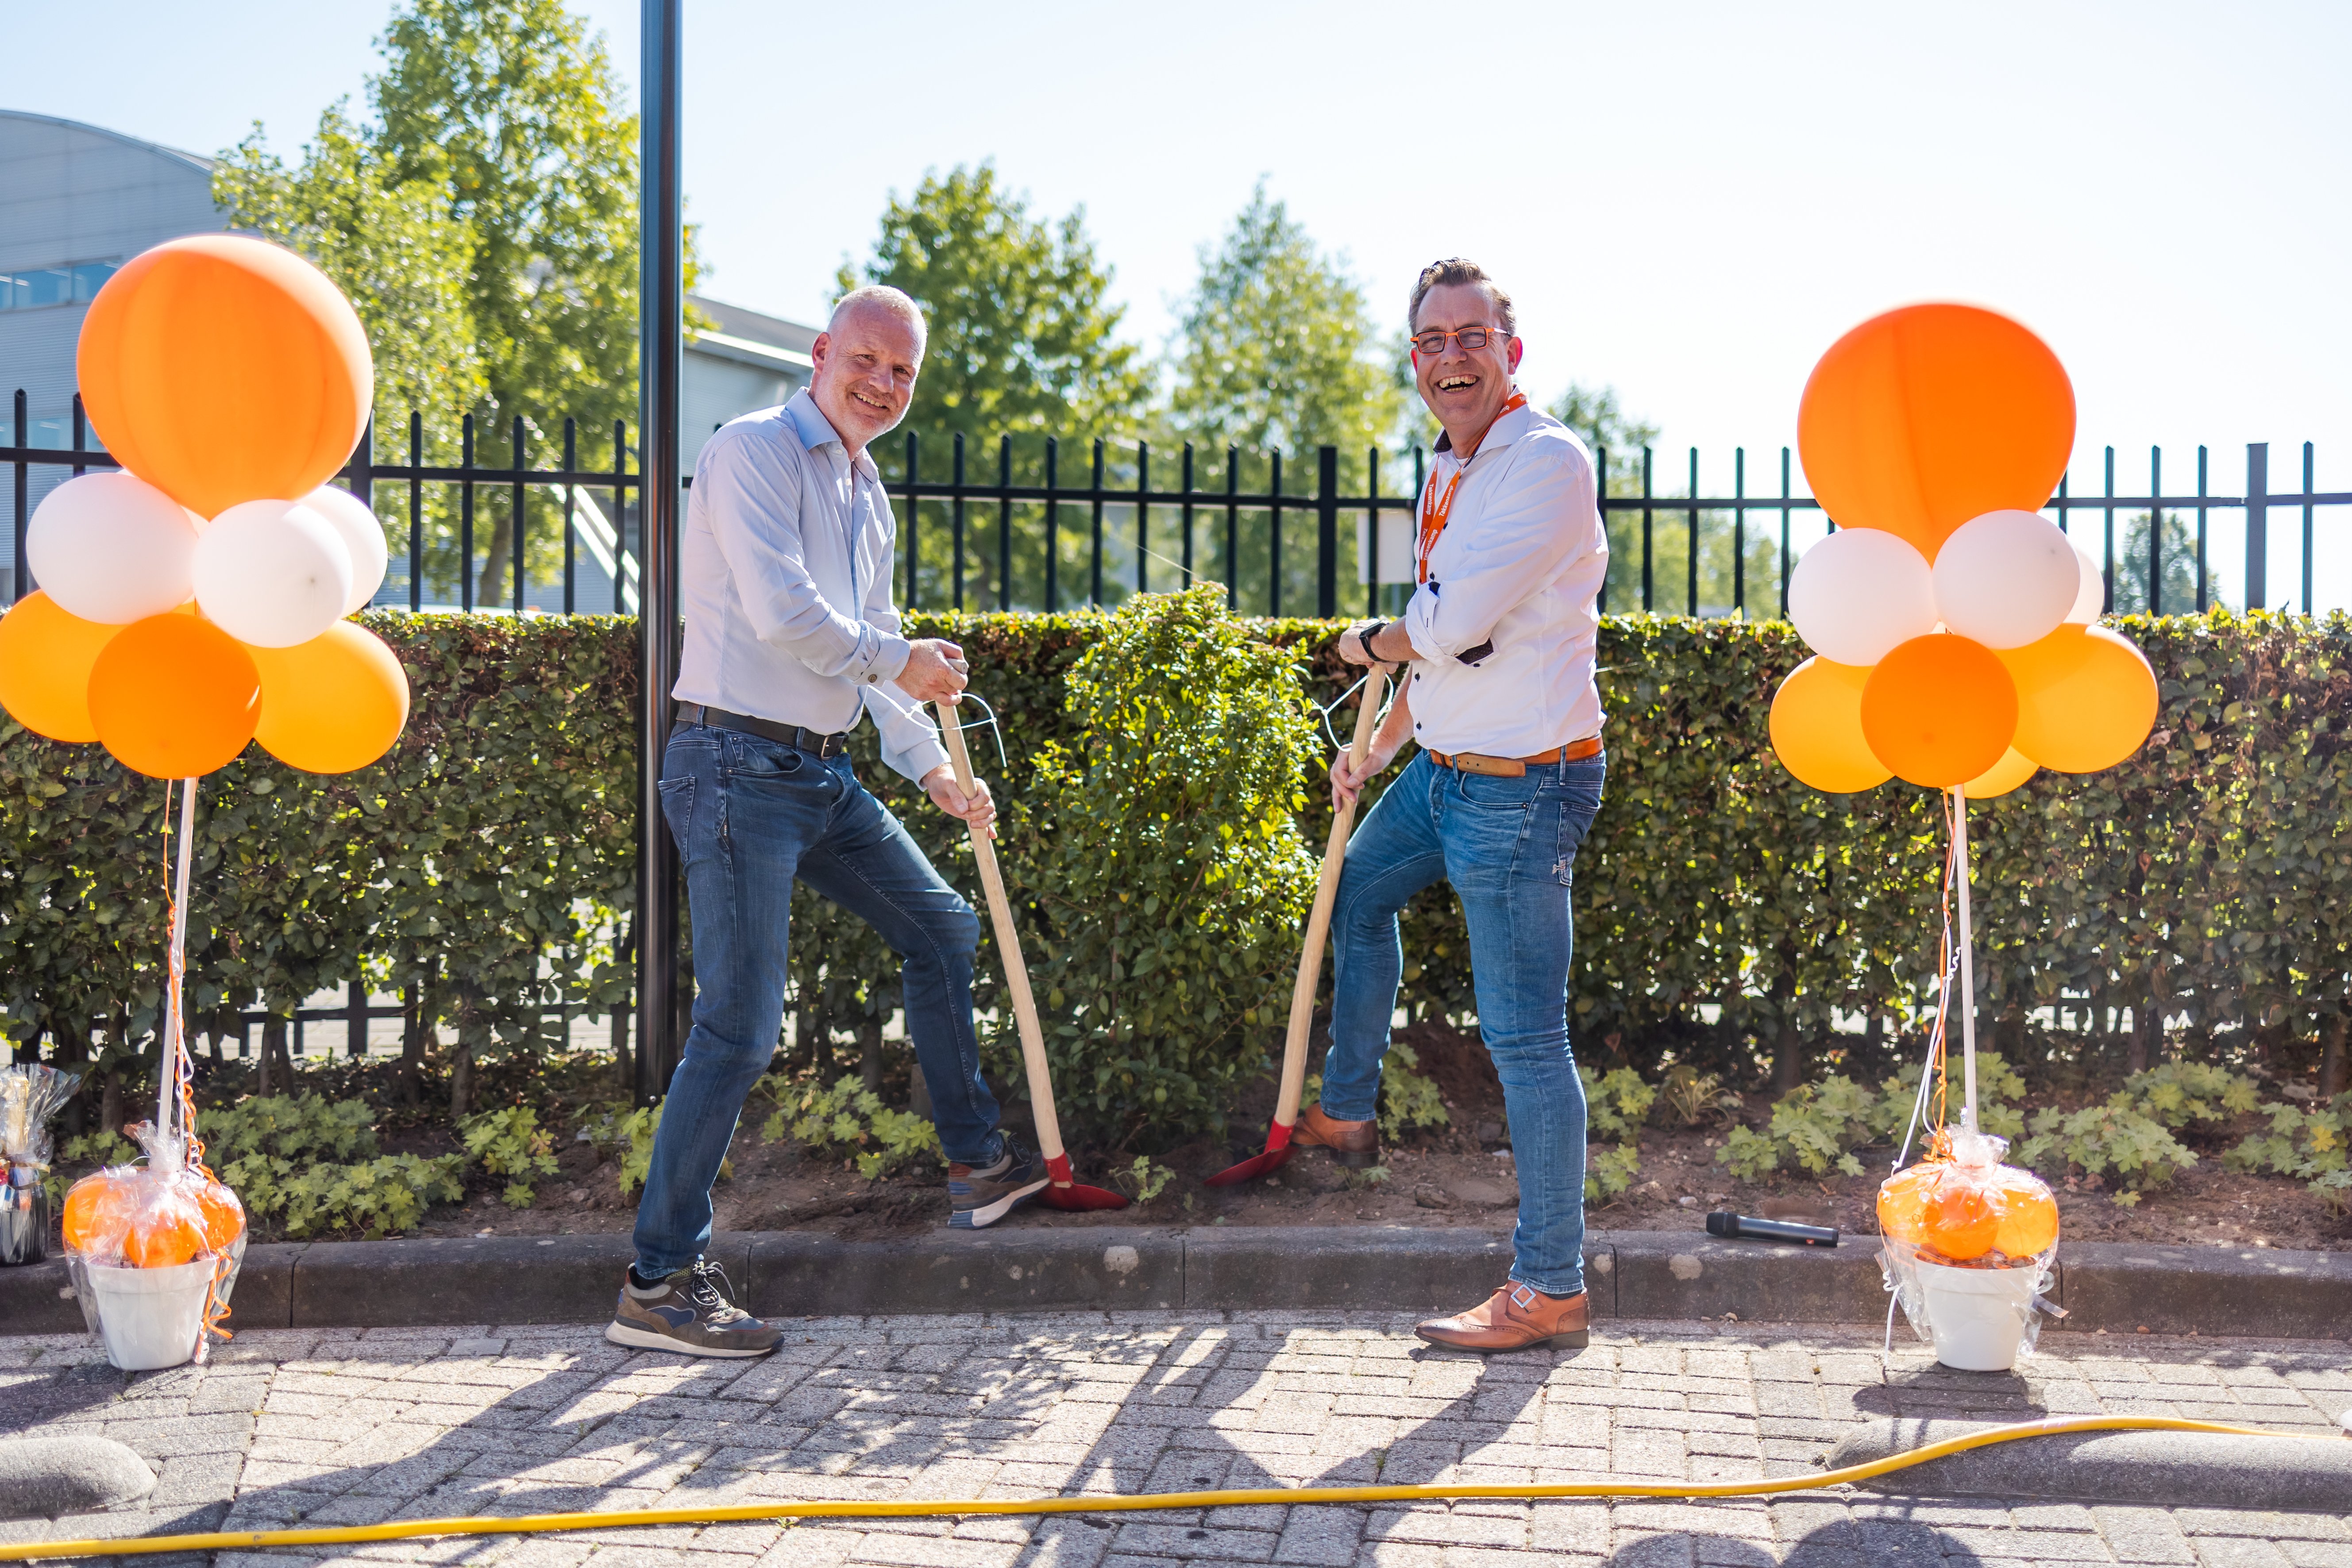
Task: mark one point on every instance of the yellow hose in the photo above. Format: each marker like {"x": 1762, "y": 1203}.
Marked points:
{"x": 733, "y": 1513}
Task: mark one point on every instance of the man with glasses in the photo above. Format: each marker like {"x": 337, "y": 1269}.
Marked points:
{"x": 1501, "y": 697}
{"x": 790, "y": 639}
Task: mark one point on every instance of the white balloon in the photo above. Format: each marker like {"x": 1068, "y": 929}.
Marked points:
{"x": 272, "y": 572}
{"x": 112, "y": 548}
{"x": 2091, "y": 595}
{"x": 2007, "y": 578}
{"x": 1859, "y": 592}
{"x": 363, "y": 536}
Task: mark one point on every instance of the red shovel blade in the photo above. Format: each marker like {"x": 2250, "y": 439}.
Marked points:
{"x": 1066, "y": 1192}
{"x": 1276, "y": 1155}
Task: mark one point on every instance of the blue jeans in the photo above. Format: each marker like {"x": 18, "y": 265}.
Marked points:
{"x": 750, "y": 816}
{"x": 1508, "y": 845}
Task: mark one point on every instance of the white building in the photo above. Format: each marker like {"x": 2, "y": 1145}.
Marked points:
{"x": 77, "y": 201}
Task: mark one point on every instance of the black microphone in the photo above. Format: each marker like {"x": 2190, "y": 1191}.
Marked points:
{"x": 1741, "y": 1227}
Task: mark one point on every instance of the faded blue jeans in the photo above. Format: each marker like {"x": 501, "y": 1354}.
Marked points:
{"x": 1508, "y": 845}
{"x": 750, "y": 816}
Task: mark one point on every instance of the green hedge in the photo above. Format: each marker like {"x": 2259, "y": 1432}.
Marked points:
{"x": 1723, "y": 911}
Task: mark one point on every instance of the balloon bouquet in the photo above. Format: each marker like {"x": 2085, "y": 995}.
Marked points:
{"x": 1953, "y": 629}
{"x": 190, "y": 604}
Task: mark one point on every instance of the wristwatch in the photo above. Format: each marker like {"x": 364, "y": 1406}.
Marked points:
{"x": 1364, "y": 635}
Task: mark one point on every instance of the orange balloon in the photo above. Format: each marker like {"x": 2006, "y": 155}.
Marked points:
{"x": 1939, "y": 709}
{"x": 223, "y": 1215}
{"x": 332, "y": 704}
{"x": 98, "y": 1212}
{"x": 45, "y": 660}
{"x": 2013, "y": 769}
{"x": 222, "y": 369}
{"x": 2086, "y": 698}
{"x": 2029, "y": 1214}
{"x": 1902, "y": 1201}
{"x": 168, "y": 1231}
{"x": 1816, "y": 728}
{"x": 174, "y": 697}
{"x": 1960, "y": 1221}
{"x": 1924, "y": 417}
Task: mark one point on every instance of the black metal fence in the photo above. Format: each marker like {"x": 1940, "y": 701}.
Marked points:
{"x": 1091, "y": 540}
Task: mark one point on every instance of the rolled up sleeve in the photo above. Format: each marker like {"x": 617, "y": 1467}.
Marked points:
{"x": 910, "y": 741}
{"x": 755, "y": 503}
{"x": 1539, "y": 515}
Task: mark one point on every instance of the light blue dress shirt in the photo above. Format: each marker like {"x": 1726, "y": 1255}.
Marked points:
{"x": 785, "y": 570}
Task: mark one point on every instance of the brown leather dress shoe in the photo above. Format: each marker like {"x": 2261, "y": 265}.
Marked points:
{"x": 1353, "y": 1144}
{"x": 1515, "y": 1318}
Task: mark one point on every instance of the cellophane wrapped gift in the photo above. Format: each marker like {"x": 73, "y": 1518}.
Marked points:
{"x": 1961, "y": 1208}
{"x": 157, "y": 1246}
{"x": 30, "y": 1094}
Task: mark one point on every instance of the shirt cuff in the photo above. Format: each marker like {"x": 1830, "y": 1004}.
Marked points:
{"x": 922, "y": 760}
{"x": 1419, "y": 622}
{"x": 888, "y": 659}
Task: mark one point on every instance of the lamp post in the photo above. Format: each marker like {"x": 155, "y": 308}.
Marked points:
{"x": 660, "y": 349}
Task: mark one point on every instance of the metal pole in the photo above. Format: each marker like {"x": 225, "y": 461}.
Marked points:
{"x": 955, "y": 518}
{"x": 2202, "y": 605}
{"x": 1142, "y": 516}
{"x": 1372, "y": 530}
{"x": 1232, "y": 523}
{"x": 571, "y": 466}
{"x": 2155, "y": 531}
{"x": 1601, "y": 510}
{"x": 1274, "y": 536}
{"x": 1784, "y": 534}
{"x": 1094, "y": 578}
{"x": 465, "y": 514}
{"x": 661, "y": 302}
{"x": 1004, "y": 522}
{"x": 1739, "y": 531}
{"x": 1968, "y": 964}
{"x": 517, "y": 503}
{"x": 1188, "y": 514}
{"x": 914, "y": 509}
{"x": 1646, "y": 515}
{"x": 1690, "y": 562}
{"x": 23, "y": 574}
{"x": 2111, "y": 530}
{"x": 1327, "y": 531}
{"x": 2309, "y": 489}
{"x": 416, "y": 513}
{"x": 2257, "y": 524}
{"x": 1052, "y": 527}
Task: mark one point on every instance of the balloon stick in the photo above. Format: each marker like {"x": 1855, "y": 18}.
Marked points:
{"x": 1967, "y": 965}
{"x": 175, "y": 964}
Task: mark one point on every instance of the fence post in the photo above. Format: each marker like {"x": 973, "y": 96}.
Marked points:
{"x": 355, "y": 1016}
{"x": 24, "y": 583}
{"x": 914, "y": 550}
{"x": 1327, "y": 531}
{"x": 517, "y": 502}
{"x": 955, "y": 515}
{"x": 2258, "y": 523}
{"x": 416, "y": 519}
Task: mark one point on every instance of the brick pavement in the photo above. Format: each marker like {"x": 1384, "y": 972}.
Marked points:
{"x": 358, "y": 1427}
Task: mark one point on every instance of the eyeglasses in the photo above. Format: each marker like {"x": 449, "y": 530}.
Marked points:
{"x": 1472, "y": 338}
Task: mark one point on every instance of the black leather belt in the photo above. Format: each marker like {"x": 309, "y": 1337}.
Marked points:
{"x": 816, "y": 741}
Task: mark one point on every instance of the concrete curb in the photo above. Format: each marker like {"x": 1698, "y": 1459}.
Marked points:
{"x": 2169, "y": 1469}
{"x": 1047, "y": 1263}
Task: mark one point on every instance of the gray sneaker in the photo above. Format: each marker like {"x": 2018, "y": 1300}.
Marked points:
{"x": 692, "y": 1313}
{"x": 981, "y": 1196}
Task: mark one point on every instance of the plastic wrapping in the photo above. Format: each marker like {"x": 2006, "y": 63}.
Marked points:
{"x": 29, "y": 1096}
{"x": 1967, "y": 1244}
{"x": 173, "y": 1226}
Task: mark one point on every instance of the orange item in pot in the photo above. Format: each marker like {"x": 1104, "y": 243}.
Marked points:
{"x": 1960, "y": 1221}
{"x": 2029, "y": 1214}
{"x": 170, "y": 1230}
{"x": 1902, "y": 1201}
{"x": 223, "y": 1215}
{"x": 98, "y": 1212}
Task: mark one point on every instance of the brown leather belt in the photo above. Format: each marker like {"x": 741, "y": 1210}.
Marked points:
{"x": 1516, "y": 767}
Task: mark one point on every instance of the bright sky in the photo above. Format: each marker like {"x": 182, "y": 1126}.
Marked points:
{"x": 1689, "y": 201}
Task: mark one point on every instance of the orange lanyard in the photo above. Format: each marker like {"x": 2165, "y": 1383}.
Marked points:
{"x": 1436, "y": 509}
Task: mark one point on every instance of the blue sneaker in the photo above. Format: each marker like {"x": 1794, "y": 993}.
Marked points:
{"x": 981, "y": 1195}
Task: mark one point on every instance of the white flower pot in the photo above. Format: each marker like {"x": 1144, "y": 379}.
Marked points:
{"x": 1977, "y": 1315}
{"x": 149, "y": 1318}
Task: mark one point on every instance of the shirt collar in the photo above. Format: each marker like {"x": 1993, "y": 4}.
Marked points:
{"x": 1501, "y": 433}
{"x": 809, "y": 422}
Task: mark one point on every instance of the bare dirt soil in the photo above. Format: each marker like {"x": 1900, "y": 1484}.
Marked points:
{"x": 1462, "y": 1174}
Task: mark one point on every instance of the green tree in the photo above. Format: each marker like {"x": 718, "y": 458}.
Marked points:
{"x": 2177, "y": 563}
{"x": 494, "y": 195}
{"x": 1277, "y": 349}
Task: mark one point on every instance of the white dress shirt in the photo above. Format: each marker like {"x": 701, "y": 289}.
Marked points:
{"x": 785, "y": 568}
{"x": 1520, "y": 565}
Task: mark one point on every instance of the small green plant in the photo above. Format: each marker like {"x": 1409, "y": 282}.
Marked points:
{"x": 1408, "y": 1100}
{"x": 850, "y": 1120}
{"x": 637, "y": 1131}
{"x": 1615, "y": 1105}
{"x": 290, "y": 1127}
{"x": 510, "y": 1144}
{"x": 1609, "y": 1171}
{"x": 2310, "y": 1144}
{"x": 2113, "y": 1135}
{"x": 1369, "y": 1177}
{"x": 1817, "y": 1125}
{"x": 1694, "y": 1097}
{"x": 1142, "y": 1180}
{"x": 2179, "y": 1093}
{"x": 372, "y": 1196}
{"x": 100, "y": 1149}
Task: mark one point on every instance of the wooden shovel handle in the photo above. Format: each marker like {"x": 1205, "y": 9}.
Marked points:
{"x": 1318, "y": 922}
{"x": 1008, "y": 947}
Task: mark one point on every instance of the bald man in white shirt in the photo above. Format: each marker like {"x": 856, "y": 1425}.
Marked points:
{"x": 1500, "y": 695}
